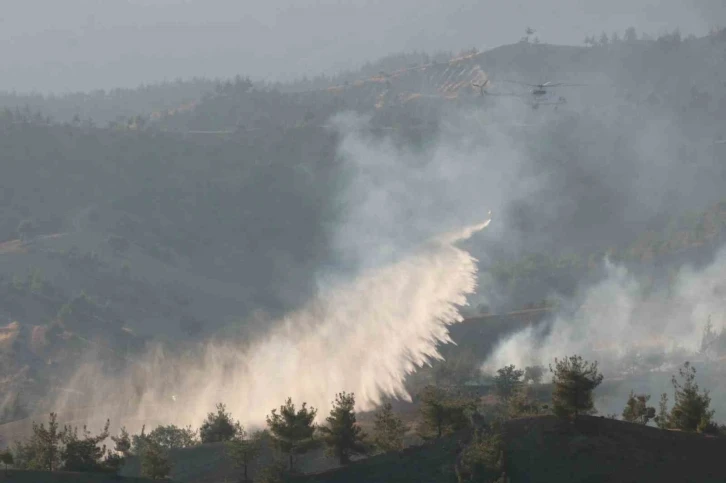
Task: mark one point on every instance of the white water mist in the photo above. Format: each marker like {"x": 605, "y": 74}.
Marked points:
{"x": 362, "y": 337}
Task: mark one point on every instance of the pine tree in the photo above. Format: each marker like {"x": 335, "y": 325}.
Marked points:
{"x": 343, "y": 437}
{"x": 47, "y": 443}
{"x": 243, "y": 450}
{"x": 662, "y": 420}
{"x": 507, "y": 381}
{"x": 293, "y": 430}
{"x": 83, "y": 454}
{"x": 574, "y": 380}
{"x": 122, "y": 449}
{"x": 441, "y": 413}
{"x": 690, "y": 410}
{"x": 388, "y": 429}
{"x": 637, "y": 409}
{"x": 219, "y": 426}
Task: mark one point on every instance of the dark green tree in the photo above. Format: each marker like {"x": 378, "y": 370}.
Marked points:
{"x": 46, "y": 442}
{"x": 85, "y": 453}
{"x": 441, "y": 412}
{"x": 122, "y": 449}
{"x": 690, "y": 410}
{"x": 155, "y": 462}
{"x": 388, "y": 429}
{"x": 574, "y": 381}
{"x": 637, "y": 409}
{"x": 139, "y": 441}
{"x": 662, "y": 419}
{"x": 342, "y": 436}
{"x": 243, "y": 450}
{"x": 507, "y": 381}
{"x": 483, "y": 458}
{"x": 6, "y": 458}
{"x": 219, "y": 426}
{"x": 292, "y": 430}
{"x": 173, "y": 437}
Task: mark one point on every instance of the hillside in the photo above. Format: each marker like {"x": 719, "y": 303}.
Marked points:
{"x": 544, "y": 449}
{"x": 221, "y": 210}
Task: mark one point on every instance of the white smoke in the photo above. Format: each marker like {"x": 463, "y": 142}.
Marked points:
{"x": 621, "y": 322}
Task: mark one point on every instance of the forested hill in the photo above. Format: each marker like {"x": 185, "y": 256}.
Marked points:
{"x": 182, "y": 224}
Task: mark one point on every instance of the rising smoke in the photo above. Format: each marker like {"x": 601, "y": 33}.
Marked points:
{"x": 633, "y": 331}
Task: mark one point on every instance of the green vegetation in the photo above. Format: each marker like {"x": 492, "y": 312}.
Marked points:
{"x": 342, "y": 436}
{"x": 52, "y": 448}
{"x": 441, "y": 413}
{"x": 6, "y": 458}
{"x": 483, "y": 458}
{"x": 574, "y": 380}
{"x": 690, "y": 411}
{"x": 219, "y": 426}
{"x": 242, "y": 450}
{"x": 170, "y": 437}
{"x": 293, "y": 430}
{"x": 389, "y": 429}
{"x": 272, "y": 169}
{"x": 155, "y": 462}
{"x": 507, "y": 381}
{"x": 637, "y": 409}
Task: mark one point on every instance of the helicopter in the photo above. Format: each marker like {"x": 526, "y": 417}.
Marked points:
{"x": 540, "y": 90}
{"x": 484, "y": 92}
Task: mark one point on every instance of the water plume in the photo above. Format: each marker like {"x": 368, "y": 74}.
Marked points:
{"x": 364, "y": 337}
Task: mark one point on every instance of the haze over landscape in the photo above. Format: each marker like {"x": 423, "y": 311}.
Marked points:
{"x": 216, "y": 202}
{"x": 82, "y": 45}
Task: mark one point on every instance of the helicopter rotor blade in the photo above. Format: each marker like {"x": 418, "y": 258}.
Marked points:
{"x": 522, "y": 83}
{"x": 561, "y": 84}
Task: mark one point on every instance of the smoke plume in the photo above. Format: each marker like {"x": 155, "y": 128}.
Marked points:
{"x": 634, "y": 330}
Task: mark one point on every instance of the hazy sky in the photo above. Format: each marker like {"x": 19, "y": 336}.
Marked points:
{"x": 85, "y": 44}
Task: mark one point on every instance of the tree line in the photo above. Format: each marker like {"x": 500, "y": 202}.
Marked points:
{"x": 291, "y": 430}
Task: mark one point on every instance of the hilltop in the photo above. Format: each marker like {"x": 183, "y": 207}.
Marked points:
{"x": 595, "y": 449}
